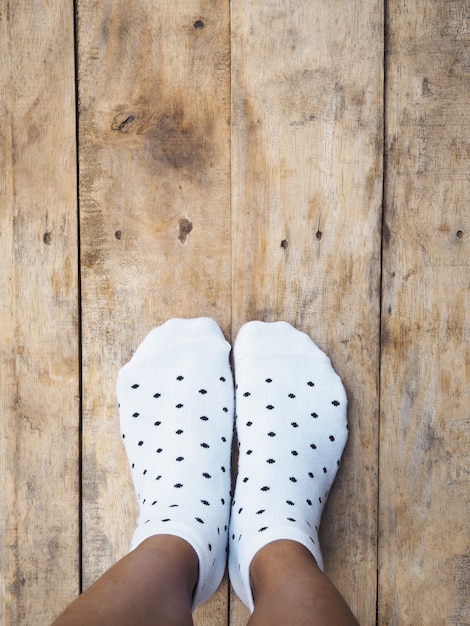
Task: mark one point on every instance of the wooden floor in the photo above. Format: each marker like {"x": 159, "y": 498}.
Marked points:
{"x": 306, "y": 161}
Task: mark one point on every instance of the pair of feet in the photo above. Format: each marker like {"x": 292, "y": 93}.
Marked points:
{"x": 176, "y": 399}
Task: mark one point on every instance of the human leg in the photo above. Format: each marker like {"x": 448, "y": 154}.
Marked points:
{"x": 292, "y": 428}
{"x": 176, "y": 408}
{"x": 151, "y": 586}
{"x": 289, "y": 588}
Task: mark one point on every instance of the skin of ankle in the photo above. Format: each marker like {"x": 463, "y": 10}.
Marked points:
{"x": 289, "y": 587}
{"x": 151, "y": 586}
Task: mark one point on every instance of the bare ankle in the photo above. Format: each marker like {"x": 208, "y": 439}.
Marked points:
{"x": 289, "y": 587}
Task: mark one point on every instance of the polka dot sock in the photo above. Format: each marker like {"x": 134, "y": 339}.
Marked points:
{"x": 292, "y": 429}
{"x": 176, "y": 407}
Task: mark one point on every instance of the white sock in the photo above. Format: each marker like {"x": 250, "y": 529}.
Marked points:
{"x": 176, "y": 407}
{"x": 292, "y": 429}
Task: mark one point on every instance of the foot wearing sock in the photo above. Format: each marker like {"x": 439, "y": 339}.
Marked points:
{"x": 292, "y": 429}
{"x": 176, "y": 407}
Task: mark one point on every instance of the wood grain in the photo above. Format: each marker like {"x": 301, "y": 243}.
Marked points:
{"x": 306, "y": 216}
{"x": 155, "y": 209}
{"x": 39, "y": 395}
{"x": 425, "y": 373}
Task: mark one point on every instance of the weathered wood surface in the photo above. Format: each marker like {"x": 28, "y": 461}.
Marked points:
{"x": 39, "y": 394}
{"x": 154, "y": 86}
{"x": 306, "y": 215}
{"x": 424, "y": 555}
{"x": 231, "y": 165}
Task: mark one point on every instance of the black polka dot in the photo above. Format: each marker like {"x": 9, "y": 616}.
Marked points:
{"x": 246, "y": 394}
{"x": 222, "y": 379}
{"x": 249, "y": 451}
{"x": 270, "y": 407}
{"x": 291, "y": 395}
{"x": 180, "y": 458}
{"x": 133, "y": 465}
{"x": 269, "y": 380}
{"x": 204, "y": 418}
{"x": 245, "y": 480}
{"x": 240, "y": 510}
{"x": 222, "y": 500}
{"x": 319, "y": 500}
{"x": 206, "y": 475}
{"x": 135, "y": 386}
{"x": 292, "y": 479}
{"x": 271, "y": 434}
{"x": 314, "y": 415}
{"x": 347, "y": 426}
{"x": 270, "y": 461}
{"x": 294, "y": 424}
{"x": 261, "y": 529}
{"x": 249, "y": 423}
{"x": 324, "y": 470}
{"x": 157, "y": 423}
{"x": 154, "y": 502}
{"x": 309, "y": 502}
{"x": 337, "y": 463}
{"x": 225, "y": 410}
{"x": 180, "y": 377}
{"x": 141, "y": 443}
{"x": 203, "y": 391}
{"x": 144, "y": 472}
{"x": 173, "y": 506}
{"x": 265, "y": 488}
{"x": 179, "y": 406}
{"x": 178, "y": 486}
{"x": 157, "y": 395}
{"x": 290, "y": 519}
{"x": 135, "y": 414}
{"x": 310, "y": 383}
{"x": 313, "y": 446}
{"x": 205, "y": 445}
{"x": 179, "y": 431}
{"x": 335, "y": 403}
{"x": 209, "y": 546}
{"x": 159, "y": 450}
{"x": 294, "y": 453}
{"x": 332, "y": 438}
{"x": 158, "y": 477}
{"x": 289, "y": 502}
{"x": 223, "y": 439}
{"x": 198, "y": 519}
{"x": 260, "y": 511}
{"x": 311, "y": 474}
{"x": 124, "y": 436}
{"x": 167, "y": 519}
{"x": 205, "y": 502}
{"x": 223, "y": 468}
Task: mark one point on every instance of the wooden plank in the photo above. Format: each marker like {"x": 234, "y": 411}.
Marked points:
{"x": 424, "y": 493}
{"x": 39, "y": 344}
{"x": 307, "y": 189}
{"x": 155, "y": 218}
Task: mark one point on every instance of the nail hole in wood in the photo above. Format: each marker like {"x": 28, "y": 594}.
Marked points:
{"x": 185, "y": 228}
{"x": 118, "y": 234}
{"x": 284, "y": 244}
{"x": 47, "y": 238}
{"x": 199, "y": 24}
{"x": 318, "y": 235}
{"x": 459, "y": 234}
